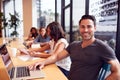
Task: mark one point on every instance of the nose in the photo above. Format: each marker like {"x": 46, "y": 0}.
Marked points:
{"x": 85, "y": 29}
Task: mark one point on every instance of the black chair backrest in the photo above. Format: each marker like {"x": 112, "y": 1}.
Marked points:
{"x": 105, "y": 68}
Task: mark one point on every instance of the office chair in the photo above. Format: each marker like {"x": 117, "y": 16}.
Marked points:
{"x": 105, "y": 68}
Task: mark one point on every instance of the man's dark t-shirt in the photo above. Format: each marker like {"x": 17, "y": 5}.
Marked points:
{"x": 86, "y": 62}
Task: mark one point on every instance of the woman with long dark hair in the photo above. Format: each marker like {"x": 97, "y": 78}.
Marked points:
{"x": 55, "y": 46}
{"x": 33, "y": 34}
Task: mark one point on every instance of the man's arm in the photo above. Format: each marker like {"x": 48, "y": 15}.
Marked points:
{"x": 52, "y": 59}
{"x": 115, "y": 70}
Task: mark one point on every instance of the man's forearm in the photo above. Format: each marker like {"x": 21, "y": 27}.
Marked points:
{"x": 50, "y": 60}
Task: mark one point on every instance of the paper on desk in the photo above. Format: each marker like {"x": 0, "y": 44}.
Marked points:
{"x": 26, "y": 57}
{"x": 37, "y": 45}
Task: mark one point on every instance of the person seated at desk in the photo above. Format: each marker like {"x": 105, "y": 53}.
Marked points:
{"x": 87, "y": 56}
{"x": 56, "y": 45}
{"x": 33, "y": 34}
{"x": 42, "y": 38}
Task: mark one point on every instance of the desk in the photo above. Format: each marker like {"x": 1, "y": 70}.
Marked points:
{"x": 51, "y": 71}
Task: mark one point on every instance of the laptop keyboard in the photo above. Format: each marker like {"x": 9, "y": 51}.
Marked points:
{"x": 22, "y": 72}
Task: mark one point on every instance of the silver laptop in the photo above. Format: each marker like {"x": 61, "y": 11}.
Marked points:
{"x": 18, "y": 73}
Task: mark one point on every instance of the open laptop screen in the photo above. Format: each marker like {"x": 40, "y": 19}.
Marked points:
{"x": 4, "y": 53}
{"x": 18, "y": 73}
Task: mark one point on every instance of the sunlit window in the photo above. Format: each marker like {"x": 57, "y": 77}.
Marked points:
{"x": 105, "y": 12}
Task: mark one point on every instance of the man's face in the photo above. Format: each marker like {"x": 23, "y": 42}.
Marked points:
{"x": 87, "y": 29}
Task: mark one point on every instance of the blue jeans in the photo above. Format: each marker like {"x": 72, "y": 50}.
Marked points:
{"x": 65, "y": 72}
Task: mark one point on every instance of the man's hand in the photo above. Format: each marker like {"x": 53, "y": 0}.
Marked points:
{"x": 113, "y": 76}
{"x": 36, "y": 66}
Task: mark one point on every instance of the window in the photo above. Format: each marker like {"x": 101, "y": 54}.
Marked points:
{"x": 105, "y": 12}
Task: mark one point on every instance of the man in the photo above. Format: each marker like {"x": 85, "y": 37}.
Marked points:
{"x": 88, "y": 55}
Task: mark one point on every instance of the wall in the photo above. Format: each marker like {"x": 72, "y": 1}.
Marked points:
{"x": 27, "y": 16}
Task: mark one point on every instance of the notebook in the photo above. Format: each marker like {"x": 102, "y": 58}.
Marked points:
{"x": 25, "y": 73}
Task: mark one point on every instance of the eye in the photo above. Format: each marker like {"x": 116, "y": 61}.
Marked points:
{"x": 82, "y": 26}
{"x": 89, "y": 26}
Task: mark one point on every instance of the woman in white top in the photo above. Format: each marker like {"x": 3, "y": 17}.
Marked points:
{"x": 55, "y": 46}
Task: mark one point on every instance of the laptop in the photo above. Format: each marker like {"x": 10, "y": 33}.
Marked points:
{"x": 19, "y": 73}
{"x": 5, "y": 55}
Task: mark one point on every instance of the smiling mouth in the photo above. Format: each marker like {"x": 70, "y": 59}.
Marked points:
{"x": 85, "y": 34}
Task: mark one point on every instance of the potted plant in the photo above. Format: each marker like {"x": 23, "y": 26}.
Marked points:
{"x": 14, "y": 23}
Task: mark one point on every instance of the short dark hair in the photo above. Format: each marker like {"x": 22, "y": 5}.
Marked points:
{"x": 91, "y": 17}
{"x": 56, "y": 31}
